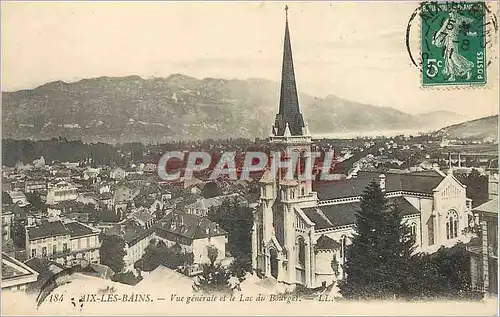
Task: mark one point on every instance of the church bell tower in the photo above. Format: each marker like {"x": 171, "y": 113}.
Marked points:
{"x": 274, "y": 236}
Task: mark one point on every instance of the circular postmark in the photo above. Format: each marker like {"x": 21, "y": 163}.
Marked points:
{"x": 454, "y": 41}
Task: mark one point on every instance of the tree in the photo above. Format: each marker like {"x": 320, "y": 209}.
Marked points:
{"x": 477, "y": 187}
{"x": 18, "y": 233}
{"x": 154, "y": 256}
{"x": 210, "y": 190}
{"x": 6, "y": 199}
{"x": 174, "y": 256}
{"x": 335, "y": 266}
{"x": 238, "y": 222}
{"x": 444, "y": 274}
{"x": 213, "y": 279}
{"x": 377, "y": 261}
{"x": 112, "y": 251}
{"x": 159, "y": 213}
{"x": 128, "y": 278}
{"x": 36, "y": 201}
{"x": 212, "y": 253}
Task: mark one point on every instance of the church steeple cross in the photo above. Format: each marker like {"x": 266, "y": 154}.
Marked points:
{"x": 289, "y": 110}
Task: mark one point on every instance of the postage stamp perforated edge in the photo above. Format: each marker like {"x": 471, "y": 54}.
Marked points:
{"x": 491, "y": 51}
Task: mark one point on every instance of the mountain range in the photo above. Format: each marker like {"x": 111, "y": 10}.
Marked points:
{"x": 484, "y": 128}
{"x": 179, "y": 107}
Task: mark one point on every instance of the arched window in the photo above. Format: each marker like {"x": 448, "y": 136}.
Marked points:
{"x": 413, "y": 229}
{"x": 451, "y": 225}
{"x": 301, "y": 166}
{"x": 301, "y": 251}
{"x": 342, "y": 246}
{"x": 260, "y": 237}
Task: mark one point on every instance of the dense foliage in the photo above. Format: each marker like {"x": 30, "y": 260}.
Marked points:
{"x": 112, "y": 251}
{"x": 381, "y": 264}
{"x": 238, "y": 222}
{"x": 157, "y": 253}
{"x": 128, "y": 278}
{"x": 378, "y": 259}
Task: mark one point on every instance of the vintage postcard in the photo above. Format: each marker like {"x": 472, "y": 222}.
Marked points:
{"x": 249, "y": 158}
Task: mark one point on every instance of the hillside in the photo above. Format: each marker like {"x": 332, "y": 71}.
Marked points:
{"x": 483, "y": 128}
{"x": 125, "y": 109}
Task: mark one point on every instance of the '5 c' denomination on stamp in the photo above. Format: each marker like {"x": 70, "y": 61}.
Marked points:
{"x": 453, "y": 43}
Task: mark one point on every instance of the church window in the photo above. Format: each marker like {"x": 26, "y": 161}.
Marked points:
{"x": 430, "y": 230}
{"x": 342, "y": 246}
{"x": 413, "y": 229}
{"x": 451, "y": 225}
{"x": 302, "y": 162}
{"x": 301, "y": 251}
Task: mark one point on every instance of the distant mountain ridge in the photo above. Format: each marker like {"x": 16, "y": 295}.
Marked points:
{"x": 482, "y": 128}
{"x": 179, "y": 107}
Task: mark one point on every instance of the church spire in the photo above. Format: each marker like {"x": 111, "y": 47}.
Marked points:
{"x": 289, "y": 111}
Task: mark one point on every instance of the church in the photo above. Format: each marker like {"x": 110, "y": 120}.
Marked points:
{"x": 301, "y": 227}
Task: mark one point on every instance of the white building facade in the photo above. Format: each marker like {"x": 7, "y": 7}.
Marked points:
{"x": 63, "y": 242}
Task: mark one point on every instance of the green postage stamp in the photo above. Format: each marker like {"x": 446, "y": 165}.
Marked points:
{"x": 453, "y": 43}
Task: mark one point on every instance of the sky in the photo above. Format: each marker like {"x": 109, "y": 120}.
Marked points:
{"x": 354, "y": 50}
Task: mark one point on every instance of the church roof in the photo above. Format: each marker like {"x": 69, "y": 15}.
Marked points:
{"x": 326, "y": 243}
{"x": 332, "y": 216}
{"x": 417, "y": 183}
{"x": 289, "y": 111}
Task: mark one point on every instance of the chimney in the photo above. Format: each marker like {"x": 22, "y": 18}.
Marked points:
{"x": 381, "y": 179}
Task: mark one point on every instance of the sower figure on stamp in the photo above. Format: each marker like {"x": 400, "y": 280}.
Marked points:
{"x": 455, "y": 64}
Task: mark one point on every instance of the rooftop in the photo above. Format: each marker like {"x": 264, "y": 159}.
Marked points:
{"x": 47, "y": 229}
{"x": 57, "y": 228}
{"x": 12, "y": 269}
{"x": 77, "y": 229}
{"x": 130, "y": 232}
{"x": 332, "y": 216}
{"x": 142, "y": 216}
{"x": 189, "y": 226}
{"x": 489, "y": 207}
{"x": 326, "y": 243}
{"x": 417, "y": 183}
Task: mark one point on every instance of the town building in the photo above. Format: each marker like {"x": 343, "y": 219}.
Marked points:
{"x": 484, "y": 250}
{"x": 35, "y": 185}
{"x": 62, "y": 241}
{"x": 117, "y": 173}
{"x": 301, "y": 225}
{"x": 7, "y": 218}
{"x": 61, "y": 191}
{"x": 193, "y": 234}
{"x": 18, "y": 197}
{"x": 493, "y": 184}
{"x": 202, "y": 206}
{"x": 136, "y": 237}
